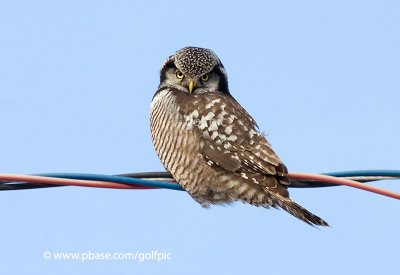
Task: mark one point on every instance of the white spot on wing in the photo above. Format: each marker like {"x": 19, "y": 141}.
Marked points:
{"x": 252, "y": 133}
{"x": 209, "y": 105}
{"x": 222, "y": 137}
{"x": 232, "y": 138}
{"x": 227, "y": 145}
{"x": 209, "y": 116}
{"x": 194, "y": 114}
{"x": 214, "y": 135}
{"x": 202, "y": 123}
{"x": 228, "y": 130}
{"x": 213, "y": 126}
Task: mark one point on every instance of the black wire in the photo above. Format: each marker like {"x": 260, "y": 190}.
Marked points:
{"x": 6, "y": 186}
{"x": 146, "y": 175}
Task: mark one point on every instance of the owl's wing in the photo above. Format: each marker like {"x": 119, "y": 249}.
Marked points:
{"x": 231, "y": 139}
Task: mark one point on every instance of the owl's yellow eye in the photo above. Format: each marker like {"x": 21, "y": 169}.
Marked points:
{"x": 205, "y": 77}
{"x": 179, "y": 75}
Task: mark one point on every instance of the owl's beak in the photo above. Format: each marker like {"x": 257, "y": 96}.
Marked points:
{"x": 191, "y": 86}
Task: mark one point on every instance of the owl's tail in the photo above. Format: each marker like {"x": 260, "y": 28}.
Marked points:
{"x": 296, "y": 210}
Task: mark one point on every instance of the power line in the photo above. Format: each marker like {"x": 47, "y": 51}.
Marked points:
{"x": 152, "y": 180}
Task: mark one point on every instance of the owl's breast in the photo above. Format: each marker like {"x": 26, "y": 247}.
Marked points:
{"x": 175, "y": 141}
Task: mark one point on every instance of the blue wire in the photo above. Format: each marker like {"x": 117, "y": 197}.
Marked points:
{"x": 173, "y": 186}
{"x": 118, "y": 179}
{"x": 366, "y": 173}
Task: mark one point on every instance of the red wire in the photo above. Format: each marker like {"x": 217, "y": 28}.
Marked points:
{"x": 342, "y": 181}
{"x": 104, "y": 184}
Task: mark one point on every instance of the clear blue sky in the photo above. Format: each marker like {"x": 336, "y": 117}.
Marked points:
{"x": 76, "y": 81}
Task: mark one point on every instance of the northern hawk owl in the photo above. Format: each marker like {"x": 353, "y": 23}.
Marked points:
{"x": 208, "y": 141}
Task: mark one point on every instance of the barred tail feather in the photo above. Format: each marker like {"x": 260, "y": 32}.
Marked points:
{"x": 301, "y": 213}
{"x": 296, "y": 210}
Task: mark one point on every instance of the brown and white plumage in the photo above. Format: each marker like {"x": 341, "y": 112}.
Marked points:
{"x": 208, "y": 141}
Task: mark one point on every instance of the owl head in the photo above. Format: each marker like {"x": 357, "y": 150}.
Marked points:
{"x": 194, "y": 71}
